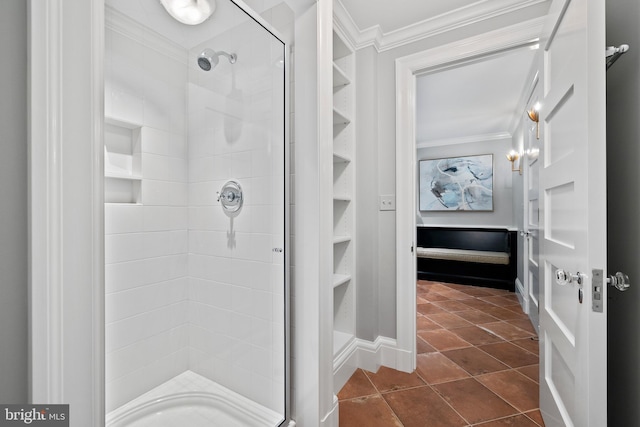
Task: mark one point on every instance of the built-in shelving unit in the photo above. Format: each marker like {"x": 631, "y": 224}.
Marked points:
{"x": 340, "y": 118}
{"x": 344, "y": 283}
{"x": 122, "y": 162}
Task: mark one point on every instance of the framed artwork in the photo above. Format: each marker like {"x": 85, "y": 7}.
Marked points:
{"x": 457, "y": 184}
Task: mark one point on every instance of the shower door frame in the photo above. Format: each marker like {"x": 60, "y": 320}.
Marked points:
{"x": 66, "y": 206}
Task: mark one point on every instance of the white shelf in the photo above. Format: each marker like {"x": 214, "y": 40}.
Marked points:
{"x": 340, "y": 118}
{"x": 340, "y": 49}
{"x": 341, "y": 340}
{"x": 344, "y": 192}
{"x": 341, "y": 198}
{"x": 122, "y": 161}
{"x": 341, "y": 239}
{"x": 340, "y": 279}
{"x": 339, "y": 158}
{"x": 121, "y": 123}
{"x": 115, "y": 175}
{"x": 340, "y": 78}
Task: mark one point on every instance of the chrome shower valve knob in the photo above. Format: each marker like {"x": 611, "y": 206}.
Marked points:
{"x": 230, "y": 197}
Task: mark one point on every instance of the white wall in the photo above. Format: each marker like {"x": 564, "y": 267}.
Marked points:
{"x": 502, "y": 215}
{"x": 146, "y": 244}
{"x": 367, "y": 226}
{"x": 13, "y": 208}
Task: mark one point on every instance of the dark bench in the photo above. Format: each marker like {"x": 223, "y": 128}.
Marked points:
{"x": 473, "y": 256}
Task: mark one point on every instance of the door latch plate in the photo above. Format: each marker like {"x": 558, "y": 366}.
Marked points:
{"x": 597, "y": 291}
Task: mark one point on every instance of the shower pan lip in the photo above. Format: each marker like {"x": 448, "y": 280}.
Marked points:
{"x": 219, "y": 400}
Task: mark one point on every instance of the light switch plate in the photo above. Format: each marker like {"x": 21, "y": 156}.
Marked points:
{"x": 388, "y": 203}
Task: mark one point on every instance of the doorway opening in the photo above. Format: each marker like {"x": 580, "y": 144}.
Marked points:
{"x": 408, "y": 69}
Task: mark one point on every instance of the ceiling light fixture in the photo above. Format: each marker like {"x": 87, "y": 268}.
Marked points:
{"x": 190, "y": 12}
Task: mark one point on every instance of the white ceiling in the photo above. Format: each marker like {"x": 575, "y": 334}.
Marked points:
{"x": 152, "y": 14}
{"x": 393, "y": 15}
{"x": 473, "y": 102}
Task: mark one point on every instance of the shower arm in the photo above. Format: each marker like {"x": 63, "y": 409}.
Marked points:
{"x": 231, "y": 57}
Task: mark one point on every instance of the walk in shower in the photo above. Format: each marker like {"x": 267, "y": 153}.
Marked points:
{"x": 195, "y": 218}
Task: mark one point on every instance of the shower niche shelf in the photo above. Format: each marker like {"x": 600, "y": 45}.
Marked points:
{"x": 122, "y": 162}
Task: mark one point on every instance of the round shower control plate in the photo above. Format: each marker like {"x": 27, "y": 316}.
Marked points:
{"x": 230, "y": 196}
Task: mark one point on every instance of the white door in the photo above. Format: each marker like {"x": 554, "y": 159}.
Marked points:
{"x": 573, "y": 350}
{"x": 532, "y": 215}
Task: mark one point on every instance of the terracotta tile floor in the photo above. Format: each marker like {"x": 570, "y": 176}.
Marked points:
{"x": 477, "y": 365}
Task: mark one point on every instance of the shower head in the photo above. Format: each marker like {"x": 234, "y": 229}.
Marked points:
{"x": 209, "y": 58}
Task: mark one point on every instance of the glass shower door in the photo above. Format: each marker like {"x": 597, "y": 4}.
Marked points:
{"x": 195, "y": 218}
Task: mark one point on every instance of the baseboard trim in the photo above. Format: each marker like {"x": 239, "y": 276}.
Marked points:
{"x": 370, "y": 355}
{"x": 345, "y": 364}
{"x": 332, "y": 417}
{"x": 522, "y": 296}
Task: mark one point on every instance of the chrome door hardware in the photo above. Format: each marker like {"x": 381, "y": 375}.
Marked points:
{"x": 230, "y": 196}
{"x": 564, "y": 277}
{"x": 596, "y": 291}
{"x": 525, "y": 234}
{"x": 620, "y": 281}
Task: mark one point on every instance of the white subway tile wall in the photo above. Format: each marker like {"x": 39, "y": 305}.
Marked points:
{"x": 146, "y": 244}
{"x": 189, "y": 288}
{"x": 236, "y": 298}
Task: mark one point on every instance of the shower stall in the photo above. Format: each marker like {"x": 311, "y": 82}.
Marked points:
{"x": 195, "y": 163}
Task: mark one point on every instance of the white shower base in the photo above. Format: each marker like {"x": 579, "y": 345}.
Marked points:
{"x": 192, "y": 400}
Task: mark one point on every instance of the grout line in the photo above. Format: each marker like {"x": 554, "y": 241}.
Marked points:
{"x": 391, "y": 409}
{"x": 534, "y": 421}
{"x": 509, "y": 368}
{"x": 494, "y": 294}
{"x": 452, "y": 408}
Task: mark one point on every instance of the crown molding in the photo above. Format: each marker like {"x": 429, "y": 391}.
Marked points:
{"x": 122, "y": 24}
{"x": 357, "y": 38}
{"x": 345, "y": 32}
{"x": 498, "y": 136}
{"x": 456, "y": 19}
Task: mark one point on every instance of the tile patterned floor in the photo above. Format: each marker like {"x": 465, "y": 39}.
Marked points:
{"x": 477, "y": 365}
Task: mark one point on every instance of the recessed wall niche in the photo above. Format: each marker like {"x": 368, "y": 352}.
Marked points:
{"x": 122, "y": 162}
